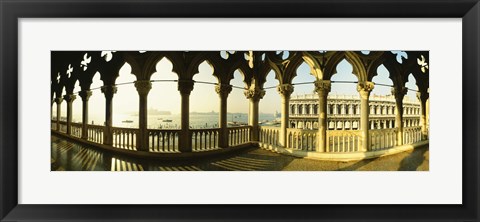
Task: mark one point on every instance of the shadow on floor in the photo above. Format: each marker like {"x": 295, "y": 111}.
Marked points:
{"x": 414, "y": 160}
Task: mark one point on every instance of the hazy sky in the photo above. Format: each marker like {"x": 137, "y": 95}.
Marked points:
{"x": 165, "y": 96}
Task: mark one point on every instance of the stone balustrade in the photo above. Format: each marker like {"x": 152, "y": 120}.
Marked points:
{"x": 300, "y": 139}
{"x": 304, "y": 140}
{"x": 383, "y": 138}
{"x": 163, "y": 140}
{"x": 238, "y": 135}
{"x": 76, "y": 130}
{"x": 95, "y": 133}
{"x": 269, "y": 136}
{"x": 204, "y": 139}
{"x": 339, "y": 141}
{"x": 125, "y": 138}
{"x": 412, "y": 134}
{"x": 63, "y": 126}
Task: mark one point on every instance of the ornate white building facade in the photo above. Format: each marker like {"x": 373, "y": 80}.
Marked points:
{"x": 343, "y": 112}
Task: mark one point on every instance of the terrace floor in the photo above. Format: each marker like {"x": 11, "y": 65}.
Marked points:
{"x": 71, "y": 156}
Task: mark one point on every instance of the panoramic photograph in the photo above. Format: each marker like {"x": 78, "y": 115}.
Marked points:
{"x": 240, "y": 110}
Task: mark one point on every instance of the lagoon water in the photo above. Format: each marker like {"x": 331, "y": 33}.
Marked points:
{"x": 197, "y": 120}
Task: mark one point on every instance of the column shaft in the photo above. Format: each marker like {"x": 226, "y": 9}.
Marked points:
{"x": 364, "y": 88}
{"x": 285, "y": 91}
{"x": 223, "y": 90}
{"x": 58, "y": 101}
{"x": 69, "y": 99}
{"x": 108, "y": 91}
{"x": 143, "y": 87}
{"x": 85, "y": 95}
{"x": 423, "y": 96}
{"x": 185, "y": 140}
{"x": 322, "y": 88}
{"x": 399, "y": 95}
{"x": 254, "y": 95}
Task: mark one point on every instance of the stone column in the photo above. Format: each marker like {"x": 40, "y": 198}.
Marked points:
{"x": 223, "y": 90}
{"x": 143, "y": 87}
{"x": 285, "y": 91}
{"x": 58, "y": 101}
{"x": 364, "y": 88}
{"x": 322, "y": 87}
{"x": 85, "y": 95}
{"x": 399, "y": 93}
{"x": 69, "y": 99}
{"x": 254, "y": 96}
{"x": 185, "y": 140}
{"x": 422, "y": 97}
{"x": 108, "y": 91}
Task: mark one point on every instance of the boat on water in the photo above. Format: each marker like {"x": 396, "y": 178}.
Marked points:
{"x": 127, "y": 121}
{"x": 167, "y": 120}
{"x": 234, "y": 123}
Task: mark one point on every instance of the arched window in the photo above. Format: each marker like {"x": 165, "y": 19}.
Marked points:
{"x": 164, "y": 98}
{"x": 270, "y": 104}
{"x": 125, "y": 108}
{"x": 204, "y": 113}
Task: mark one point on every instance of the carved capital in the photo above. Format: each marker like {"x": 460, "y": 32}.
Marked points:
{"x": 69, "y": 98}
{"x": 223, "y": 89}
{"x": 399, "y": 92}
{"x": 143, "y": 87}
{"x": 109, "y": 91}
{"x": 285, "y": 90}
{"x": 422, "y": 96}
{"x": 254, "y": 94}
{"x": 322, "y": 86}
{"x": 85, "y": 94}
{"x": 364, "y": 88}
{"x": 185, "y": 86}
{"x": 58, "y": 100}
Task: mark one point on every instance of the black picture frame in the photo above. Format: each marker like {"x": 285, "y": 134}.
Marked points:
{"x": 11, "y": 11}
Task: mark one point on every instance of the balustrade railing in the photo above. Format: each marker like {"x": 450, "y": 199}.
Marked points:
{"x": 238, "y": 135}
{"x": 343, "y": 140}
{"x": 166, "y": 140}
{"x": 76, "y": 130}
{"x": 54, "y": 125}
{"x": 204, "y": 139}
{"x": 300, "y": 139}
{"x": 163, "y": 140}
{"x": 412, "y": 134}
{"x": 63, "y": 126}
{"x": 269, "y": 136}
{"x": 95, "y": 133}
{"x": 382, "y": 138}
{"x": 125, "y": 138}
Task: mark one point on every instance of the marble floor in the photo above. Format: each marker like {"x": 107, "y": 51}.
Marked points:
{"x": 70, "y": 156}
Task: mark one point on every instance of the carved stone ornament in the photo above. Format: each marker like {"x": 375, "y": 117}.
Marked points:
{"x": 285, "y": 89}
{"x": 69, "y": 98}
{"x": 185, "y": 86}
{"x": 254, "y": 94}
{"x": 364, "y": 88}
{"x": 223, "y": 89}
{"x": 143, "y": 87}
{"x": 109, "y": 91}
{"x": 322, "y": 86}
{"x": 422, "y": 96}
{"x": 399, "y": 93}
{"x": 85, "y": 94}
{"x": 58, "y": 100}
